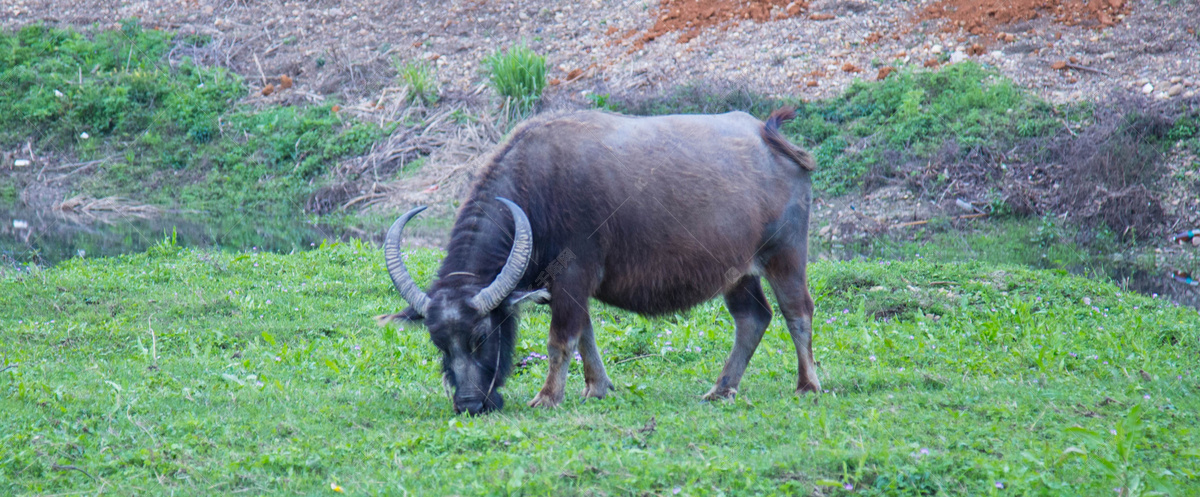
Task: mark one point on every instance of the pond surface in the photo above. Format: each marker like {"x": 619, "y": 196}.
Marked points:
{"x": 45, "y": 238}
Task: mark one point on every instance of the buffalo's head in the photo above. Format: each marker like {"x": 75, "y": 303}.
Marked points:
{"x": 474, "y": 326}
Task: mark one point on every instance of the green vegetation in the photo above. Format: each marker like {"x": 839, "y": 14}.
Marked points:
{"x": 519, "y": 75}
{"x": 170, "y": 133}
{"x": 417, "y": 76}
{"x": 188, "y": 372}
{"x": 915, "y": 113}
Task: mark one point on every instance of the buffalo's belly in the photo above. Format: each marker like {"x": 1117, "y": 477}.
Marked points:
{"x": 663, "y": 286}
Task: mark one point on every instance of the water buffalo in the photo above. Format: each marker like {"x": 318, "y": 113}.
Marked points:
{"x": 649, "y": 214}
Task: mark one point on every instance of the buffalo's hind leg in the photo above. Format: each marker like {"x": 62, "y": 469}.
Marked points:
{"x": 751, "y": 316}
{"x": 787, "y": 274}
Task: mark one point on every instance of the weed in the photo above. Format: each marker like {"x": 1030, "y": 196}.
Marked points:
{"x": 518, "y": 74}
{"x": 417, "y": 76}
{"x": 600, "y": 101}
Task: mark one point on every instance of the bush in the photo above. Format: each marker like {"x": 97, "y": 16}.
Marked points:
{"x": 519, "y": 75}
{"x": 417, "y": 76}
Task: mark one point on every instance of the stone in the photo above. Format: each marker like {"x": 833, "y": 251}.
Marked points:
{"x": 1175, "y": 90}
{"x": 21, "y": 163}
{"x": 936, "y": 49}
{"x": 1148, "y": 88}
{"x": 957, "y": 57}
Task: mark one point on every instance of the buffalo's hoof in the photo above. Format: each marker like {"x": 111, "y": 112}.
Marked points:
{"x": 597, "y": 390}
{"x": 808, "y": 388}
{"x": 718, "y": 393}
{"x": 544, "y": 400}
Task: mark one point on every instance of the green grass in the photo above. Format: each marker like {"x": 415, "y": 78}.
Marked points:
{"x": 172, "y": 135}
{"x": 187, "y": 372}
{"x": 914, "y": 113}
{"x": 518, "y": 74}
{"x": 418, "y": 77}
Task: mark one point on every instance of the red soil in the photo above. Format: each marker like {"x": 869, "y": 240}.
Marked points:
{"x": 689, "y": 17}
{"x": 981, "y": 17}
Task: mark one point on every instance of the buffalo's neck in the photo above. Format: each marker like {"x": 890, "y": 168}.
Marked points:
{"x": 479, "y": 242}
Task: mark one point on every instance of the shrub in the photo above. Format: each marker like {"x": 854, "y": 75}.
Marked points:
{"x": 417, "y": 76}
{"x": 519, "y": 75}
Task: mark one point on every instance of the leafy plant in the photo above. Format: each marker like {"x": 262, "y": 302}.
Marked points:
{"x": 518, "y": 74}
{"x": 417, "y": 76}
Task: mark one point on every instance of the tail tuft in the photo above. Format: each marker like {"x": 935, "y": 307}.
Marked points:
{"x": 777, "y": 142}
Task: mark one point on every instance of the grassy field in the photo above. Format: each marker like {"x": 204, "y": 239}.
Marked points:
{"x": 193, "y": 373}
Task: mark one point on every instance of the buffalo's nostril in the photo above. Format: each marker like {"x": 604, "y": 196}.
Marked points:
{"x": 468, "y": 406}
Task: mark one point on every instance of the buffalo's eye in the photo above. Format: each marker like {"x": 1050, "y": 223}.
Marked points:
{"x": 440, "y": 340}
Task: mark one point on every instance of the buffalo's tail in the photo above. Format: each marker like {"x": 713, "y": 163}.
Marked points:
{"x": 778, "y": 143}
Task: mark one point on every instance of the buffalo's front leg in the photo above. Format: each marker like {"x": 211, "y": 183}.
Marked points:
{"x": 596, "y": 382}
{"x": 569, "y": 321}
{"x": 751, "y": 316}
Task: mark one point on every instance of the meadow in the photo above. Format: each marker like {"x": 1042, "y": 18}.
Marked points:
{"x": 187, "y": 372}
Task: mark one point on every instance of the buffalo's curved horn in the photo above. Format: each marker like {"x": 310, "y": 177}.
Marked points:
{"x": 518, "y": 258}
{"x": 395, "y": 264}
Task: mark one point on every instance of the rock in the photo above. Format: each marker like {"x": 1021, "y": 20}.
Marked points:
{"x": 1175, "y": 90}
{"x": 1109, "y": 56}
{"x": 1058, "y": 65}
{"x": 1189, "y": 94}
{"x": 821, "y": 17}
{"x": 1148, "y": 88}
{"x": 957, "y": 57}
{"x": 936, "y": 49}
{"x": 21, "y": 163}
{"x": 1176, "y": 79}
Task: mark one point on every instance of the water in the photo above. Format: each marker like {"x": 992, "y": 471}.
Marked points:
{"x": 45, "y": 238}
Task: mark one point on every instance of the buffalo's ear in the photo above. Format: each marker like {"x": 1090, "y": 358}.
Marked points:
{"x": 535, "y": 296}
{"x": 408, "y": 315}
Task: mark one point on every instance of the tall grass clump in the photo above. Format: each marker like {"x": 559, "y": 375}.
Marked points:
{"x": 519, "y": 75}
{"x": 417, "y": 76}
